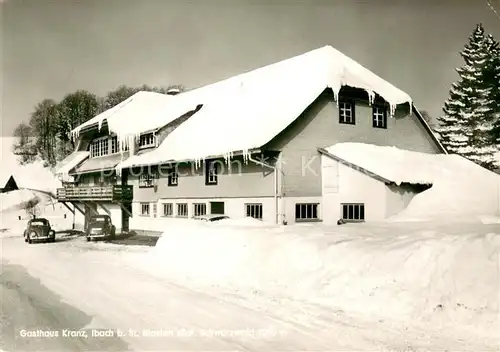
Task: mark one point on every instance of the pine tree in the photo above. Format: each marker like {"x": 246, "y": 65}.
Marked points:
{"x": 467, "y": 124}
{"x": 493, "y": 77}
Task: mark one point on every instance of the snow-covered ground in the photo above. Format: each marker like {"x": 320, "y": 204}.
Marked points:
{"x": 417, "y": 287}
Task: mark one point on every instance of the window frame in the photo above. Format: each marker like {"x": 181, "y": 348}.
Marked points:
{"x": 150, "y": 175}
{"x": 250, "y": 208}
{"x": 172, "y": 176}
{"x": 342, "y": 119}
{"x": 99, "y": 147}
{"x": 196, "y": 208}
{"x": 178, "y": 206}
{"x": 314, "y": 211}
{"x": 147, "y": 207}
{"x": 211, "y": 173}
{"x": 169, "y": 206}
{"x": 151, "y": 144}
{"x": 376, "y": 122}
{"x": 361, "y": 212}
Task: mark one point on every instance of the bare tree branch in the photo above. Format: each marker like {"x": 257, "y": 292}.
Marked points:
{"x": 493, "y": 8}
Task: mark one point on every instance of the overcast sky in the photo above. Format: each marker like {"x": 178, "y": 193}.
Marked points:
{"x": 53, "y": 47}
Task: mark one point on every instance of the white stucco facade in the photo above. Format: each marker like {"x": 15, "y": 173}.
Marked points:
{"x": 342, "y": 184}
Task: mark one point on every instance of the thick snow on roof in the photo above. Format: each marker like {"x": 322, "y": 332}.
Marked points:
{"x": 248, "y": 110}
{"x": 459, "y": 186}
{"x": 63, "y": 168}
{"x": 142, "y": 112}
{"x": 391, "y": 163}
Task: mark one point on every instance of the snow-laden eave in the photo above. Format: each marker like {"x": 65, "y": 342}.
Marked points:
{"x": 326, "y": 153}
{"x": 365, "y": 171}
{"x": 141, "y": 161}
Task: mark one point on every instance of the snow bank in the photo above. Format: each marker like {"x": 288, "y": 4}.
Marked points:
{"x": 394, "y": 272}
{"x": 465, "y": 190}
{"x": 14, "y": 199}
{"x": 33, "y": 175}
{"x": 257, "y": 105}
{"x": 460, "y": 188}
{"x": 11, "y": 208}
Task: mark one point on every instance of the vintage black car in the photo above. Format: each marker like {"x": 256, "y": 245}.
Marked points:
{"x": 100, "y": 227}
{"x": 38, "y": 230}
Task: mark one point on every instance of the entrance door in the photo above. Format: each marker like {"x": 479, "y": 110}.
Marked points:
{"x": 216, "y": 207}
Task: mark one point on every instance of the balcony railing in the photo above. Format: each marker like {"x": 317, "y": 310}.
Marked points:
{"x": 111, "y": 193}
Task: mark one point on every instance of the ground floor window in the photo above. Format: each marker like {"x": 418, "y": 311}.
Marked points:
{"x": 145, "y": 209}
{"x": 306, "y": 211}
{"x": 254, "y": 210}
{"x": 199, "y": 209}
{"x": 182, "y": 209}
{"x": 168, "y": 209}
{"x": 353, "y": 211}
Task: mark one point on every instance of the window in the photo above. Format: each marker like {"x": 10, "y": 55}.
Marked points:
{"x": 147, "y": 140}
{"x": 254, "y": 211}
{"x": 173, "y": 177}
{"x": 145, "y": 209}
{"x": 211, "y": 173}
{"x": 379, "y": 117}
{"x": 114, "y": 145}
{"x": 306, "y": 211}
{"x": 99, "y": 147}
{"x": 182, "y": 209}
{"x": 155, "y": 210}
{"x": 199, "y": 209}
{"x": 353, "y": 212}
{"x": 168, "y": 209}
{"x": 148, "y": 179}
{"x": 346, "y": 113}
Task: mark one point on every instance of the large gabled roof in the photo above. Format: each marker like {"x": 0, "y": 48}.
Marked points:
{"x": 247, "y": 111}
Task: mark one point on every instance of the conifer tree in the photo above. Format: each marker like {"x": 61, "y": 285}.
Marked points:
{"x": 468, "y": 121}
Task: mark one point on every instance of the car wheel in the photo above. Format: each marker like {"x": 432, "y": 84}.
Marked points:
{"x": 88, "y": 239}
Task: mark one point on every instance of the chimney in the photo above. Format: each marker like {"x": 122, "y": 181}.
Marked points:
{"x": 173, "y": 91}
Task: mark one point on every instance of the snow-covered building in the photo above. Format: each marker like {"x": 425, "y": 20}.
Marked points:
{"x": 7, "y": 183}
{"x": 249, "y": 145}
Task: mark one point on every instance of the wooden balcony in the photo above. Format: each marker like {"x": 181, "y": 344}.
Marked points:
{"x": 112, "y": 193}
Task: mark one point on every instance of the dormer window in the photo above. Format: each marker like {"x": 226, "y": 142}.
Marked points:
{"x": 147, "y": 140}
{"x": 99, "y": 147}
{"x": 346, "y": 112}
{"x": 104, "y": 146}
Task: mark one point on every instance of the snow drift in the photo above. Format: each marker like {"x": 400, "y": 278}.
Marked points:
{"x": 396, "y": 272}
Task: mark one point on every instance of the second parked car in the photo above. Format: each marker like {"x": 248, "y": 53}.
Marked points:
{"x": 100, "y": 227}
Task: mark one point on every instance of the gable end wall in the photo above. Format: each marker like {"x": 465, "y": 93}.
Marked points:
{"x": 319, "y": 127}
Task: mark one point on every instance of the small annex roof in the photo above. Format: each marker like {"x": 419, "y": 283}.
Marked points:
{"x": 64, "y": 167}
{"x": 391, "y": 164}
{"x": 247, "y": 111}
